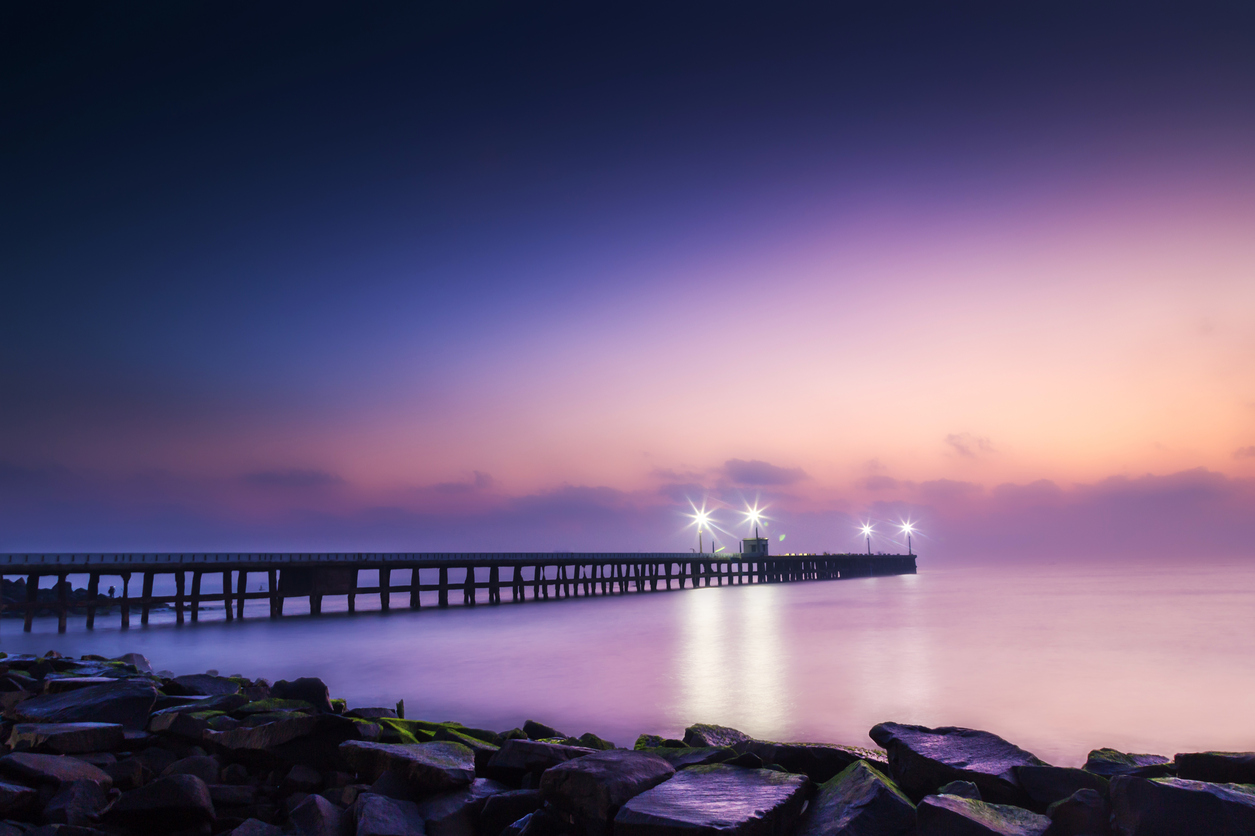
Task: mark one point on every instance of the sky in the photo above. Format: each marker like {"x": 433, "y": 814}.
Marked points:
{"x": 532, "y": 277}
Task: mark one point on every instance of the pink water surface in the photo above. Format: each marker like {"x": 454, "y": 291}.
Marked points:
{"x": 1057, "y": 658}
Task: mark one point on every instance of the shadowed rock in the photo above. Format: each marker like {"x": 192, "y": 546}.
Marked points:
{"x": 1174, "y": 806}
{"x": 591, "y": 789}
{"x": 77, "y": 803}
{"x": 963, "y": 789}
{"x": 716, "y": 799}
{"x": 687, "y": 756}
{"x": 817, "y": 761}
{"x": 953, "y": 815}
{"x": 15, "y": 799}
{"x": 1217, "y": 767}
{"x": 427, "y": 767}
{"x": 456, "y": 813}
{"x": 308, "y": 689}
{"x": 126, "y": 702}
{"x": 922, "y": 759}
{"x": 66, "y": 738}
{"x": 1084, "y": 813}
{"x": 53, "y": 770}
{"x": 256, "y": 827}
{"x": 482, "y": 749}
{"x": 316, "y": 816}
{"x": 518, "y": 757}
{"x": 377, "y": 815}
{"x": 1109, "y": 763}
{"x": 707, "y": 734}
{"x": 506, "y": 807}
{"x": 204, "y": 767}
{"x": 168, "y": 804}
{"x": 860, "y": 801}
{"x": 1047, "y": 784}
{"x": 201, "y": 684}
{"x": 539, "y": 731}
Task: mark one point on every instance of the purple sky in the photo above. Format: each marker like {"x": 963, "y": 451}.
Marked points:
{"x": 544, "y": 277}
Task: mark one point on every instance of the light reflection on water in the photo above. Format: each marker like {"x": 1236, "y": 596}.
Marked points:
{"x": 1059, "y": 659}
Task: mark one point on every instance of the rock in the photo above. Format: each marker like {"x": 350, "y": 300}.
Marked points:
{"x": 1217, "y": 767}
{"x": 204, "y": 767}
{"x": 316, "y": 816}
{"x": 704, "y": 734}
{"x": 1109, "y": 763}
{"x": 748, "y": 760}
{"x": 370, "y": 713}
{"x": 126, "y": 774}
{"x": 62, "y": 684}
{"x": 232, "y": 795}
{"x": 963, "y": 789}
{"x": 377, "y": 815}
{"x": 66, "y": 738}
{"x": 55, "y": 770}
{"x": 457, "y": 813}
{"x": 428, "y": 767}
{"x": 717, "y": 799}
{"x": 301, "y": 778}
{"x": 179, "y": 723}
{"x": 308, "y": 689}
{"x": 137, "y": 659}
{"x": 1084, "y": 813}
{"x": 176, "y": 802}
{"x": 1164, "y": 806}
{"x": 506, "y": 807}
{"x": 1047, "y": 784}
{"x": 591, "y": 789}
{"x": 953, "y": 815}
{"x": 78, "y": 803}
{"x": 15, "y": 799}
{"x": 256, "y": 827}
{"x": 922, "y": 759}
{"x": 817, "y": 761}
{"x": 519, "y": 757}
{"x": 126, "y": 701}
{"x": 688, "y": 756}
{"x": 592, "y": 741}
{"x": 860, "y": 801}
{"x": 264, "y": 737}
{"x": 539, "y": 731}
{"x": 155, "y": 759}
{"x": 483, "y": 751}
{"x": 201, "y": 684}
{"x": 649, "y": 741}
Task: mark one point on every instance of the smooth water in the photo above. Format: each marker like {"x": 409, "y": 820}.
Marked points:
{"x": 1059, "y": 658}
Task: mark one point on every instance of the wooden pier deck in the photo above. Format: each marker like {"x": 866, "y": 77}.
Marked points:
{"x": 451, "y": 576}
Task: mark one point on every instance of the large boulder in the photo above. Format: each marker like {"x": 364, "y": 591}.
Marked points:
{"x": 540, "y": 731}
{"x": 1217, "y": 767}
{"x": 1175, "y": 806}
{"x": 457, "y": 813}
{"x": 708, "y": 734}
{"x": 717, "y": 799}
{"x": 263, "y": 738}
{"x": 66, "y": 738}
{"x": 78, "y": 803}
{"x": 860, "y": 801}
{"x": 1111, "y": 762}
{"x": 817, "y": 761}
{"x": 177, "y": 802}
{"x": 427, "y": 767}
{"x": 953, "y": 815}
{"x": 685, "y": 756}
{"x": 15, "y": 799}
{"x": 126, "y": 702}
{"x": 52, "y": 770}
{"x": 923, "y": 759}
{"x": 1084, "y": 813}
{"x": 518, "y": 757}
{"x": 201, "y": 684}
{"x": 378, "y": 815}
{"x": 308, "y": 689}
{"x": 316, "y": 816}
{"x": 1047, "y": 784}
{"x": 505, "y": 807}
{"x": 591, "y": 789}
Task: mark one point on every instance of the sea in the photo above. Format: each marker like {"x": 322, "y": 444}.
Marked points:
{"x": 1059, "y": 658}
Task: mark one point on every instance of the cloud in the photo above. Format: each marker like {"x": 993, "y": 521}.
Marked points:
{"x": 968, "y": 445}
{"x": 946, "y": 489}
{"x": 755, "y": 472}
{"x": 880, "y": 482}
{"x": 293, "y": 478}
{"x": 672, "y": 475}
{"x": 479, "y": 481}
{"x": 1244, "y": 452}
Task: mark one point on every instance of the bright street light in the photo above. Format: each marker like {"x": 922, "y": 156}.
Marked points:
{"x": 907, "y": 529}
{"x": 867, "y": 532}
{"x": 753, "y": 516}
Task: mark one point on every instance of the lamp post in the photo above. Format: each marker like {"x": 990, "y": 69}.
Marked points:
{"x": 867, "y": 532}
{"x": 907, "y": 528}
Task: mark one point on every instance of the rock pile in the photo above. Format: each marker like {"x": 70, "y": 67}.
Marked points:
{"x": 101, "y": 746}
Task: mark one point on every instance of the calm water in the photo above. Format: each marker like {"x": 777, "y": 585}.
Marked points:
{"x": 1059, "y": 659}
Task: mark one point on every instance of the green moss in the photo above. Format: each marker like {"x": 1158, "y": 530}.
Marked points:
{"x": 648, "y": 741}
{"x": 272, "y": 704}
{"x": 396, "y": 730}
{"x": 339, "y": 706}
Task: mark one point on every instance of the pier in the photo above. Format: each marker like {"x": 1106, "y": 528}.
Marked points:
{"x": 403, "y": 577}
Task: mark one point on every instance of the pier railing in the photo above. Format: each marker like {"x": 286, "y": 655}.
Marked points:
{"x": 317, "y": 575}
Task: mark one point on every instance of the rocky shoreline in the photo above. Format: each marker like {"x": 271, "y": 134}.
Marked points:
{"x": 106, "y": 746}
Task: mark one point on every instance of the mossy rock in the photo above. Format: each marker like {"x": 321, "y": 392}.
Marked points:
{"x": 514, "y": 734}
{"x": 339, "y": 706}
{"x": 648, "y": 741}
{"x": 271, "y": 704}
{"x": 396, "y": 730}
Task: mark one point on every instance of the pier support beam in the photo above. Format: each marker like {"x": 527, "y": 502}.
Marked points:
{"x": 443, "y": 592}
{"x": 93, "y": 589}
{"x": 32, "y": 590}
{"x": 241, "y": 586}
{"x": 126, "y": 601}
{"x": 226, "y": 593}
{"x": 385, "y": 589}
{"x": 146, "y": 600}
{"x": 180, "y": 578}
{"x": 353, "y": 590}
{"x": 63, "y": 601}
{"x": 415, "y": 581}
{"x": 196, "y": 576}
{"x": 276, "y": 600}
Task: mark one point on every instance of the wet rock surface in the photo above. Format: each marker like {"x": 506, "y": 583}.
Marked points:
{"x": 860, "y": 801}
{"x": 427, "y": 767}
{"x": 1047, "y": 784}
{"x": 590, "y": 790}
{"x": 66, "y": 738}
{"x": 1110, "y": 763}
{"x": 1218, "y": 767}
{"x": 716, "y": 799}
{"x": 1084, "y": 813}
{"x": 953, "y": 815}
{"x": 922, "y": 759}
{"x": 1163, "y": 806}
{"x": 126, "y": 702}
